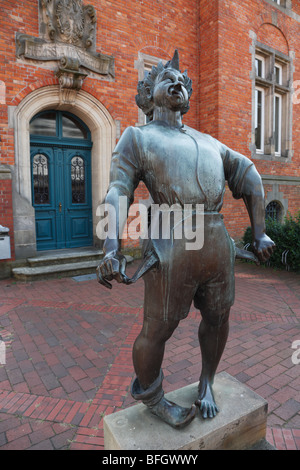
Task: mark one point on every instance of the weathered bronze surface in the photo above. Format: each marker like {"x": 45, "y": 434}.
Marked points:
{"x": 180, "y": 165}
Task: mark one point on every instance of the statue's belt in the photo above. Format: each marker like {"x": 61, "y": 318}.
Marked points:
{"x": 151, "y": 259}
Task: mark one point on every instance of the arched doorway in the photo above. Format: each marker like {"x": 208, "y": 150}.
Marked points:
{"x": 103, "y": 135}
{"x": 60, "y": 148}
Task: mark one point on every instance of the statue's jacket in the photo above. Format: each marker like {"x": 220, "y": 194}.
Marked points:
{"x": 178, "y": 166}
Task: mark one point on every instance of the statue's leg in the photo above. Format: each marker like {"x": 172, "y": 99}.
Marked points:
{"x": 213, "y": 334}
{"x": 148, "y": 354}
{"x": 167, "y": 301}
{"x": 214, "y": 298}
{"x": 148, "y": 349}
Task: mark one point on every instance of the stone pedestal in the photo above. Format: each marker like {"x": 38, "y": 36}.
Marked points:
{"x": 240, "y": 424}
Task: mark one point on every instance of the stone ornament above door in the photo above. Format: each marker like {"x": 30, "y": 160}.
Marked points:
{"x": 70, "y": 21}
{"x": 67, "y": 38}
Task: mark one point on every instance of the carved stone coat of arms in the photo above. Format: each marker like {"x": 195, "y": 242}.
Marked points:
{"x": 70, "y": 21}
{"x": 67, "y": 37}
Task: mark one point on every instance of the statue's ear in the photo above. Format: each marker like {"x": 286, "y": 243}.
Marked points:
{"x": 187, "y": 83}
{"x": 144, "y": 98}
{"x": 148, "y": 92}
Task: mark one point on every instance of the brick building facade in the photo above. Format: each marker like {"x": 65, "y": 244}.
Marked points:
{"x": 67, "y": 92}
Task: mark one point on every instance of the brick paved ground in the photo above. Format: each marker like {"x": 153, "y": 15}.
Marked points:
{"x": 68, "y": 356}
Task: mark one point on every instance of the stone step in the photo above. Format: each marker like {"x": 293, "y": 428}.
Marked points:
{"x": 29, "y": 273}
{"x": 64, "y": 269}
{"x": 65, "y": 257}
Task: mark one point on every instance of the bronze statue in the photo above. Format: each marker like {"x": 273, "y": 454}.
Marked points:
{"x": 180, "y": 165}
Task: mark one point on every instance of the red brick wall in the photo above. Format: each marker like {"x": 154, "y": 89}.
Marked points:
{"x": 154, "y": 27}
{"x": 124, "y": 29}
{"x": 214, "y": 44}
{"x": 271, "y": 36}
{"x": 209, "y": 67}
{"x": 226, "y": 85}
{"x": 296, "y": 6}
{"x": 292, "y": 193}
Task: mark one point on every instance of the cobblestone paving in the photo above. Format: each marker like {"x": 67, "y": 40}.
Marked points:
{"x": 68, "y": 356}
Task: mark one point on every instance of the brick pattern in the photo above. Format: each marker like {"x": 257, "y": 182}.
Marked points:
{"x": 69, "y": 345}
{"x": 225, "y": 88}
{"x": 296, "y": 7}
{"x": 124, "y": 30}
{"x": 272, "y": 37}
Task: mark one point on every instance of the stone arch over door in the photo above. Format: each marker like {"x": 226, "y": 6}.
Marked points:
{"x": 103, "y": 134}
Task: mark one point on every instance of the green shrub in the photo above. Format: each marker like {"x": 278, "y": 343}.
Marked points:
{"x": 286, "y": 237}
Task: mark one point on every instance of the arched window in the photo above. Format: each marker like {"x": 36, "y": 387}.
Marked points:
{"x": 40, "y": 174}
{"x": 78, "y": 180}
{"x": 58, "y": 124}
{"x": 274, "y": 211}
{"x": 44, "y": 124}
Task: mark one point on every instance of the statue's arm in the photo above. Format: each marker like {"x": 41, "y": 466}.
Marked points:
{"x": 124, "y": 178}
{"x": 253, "y": 196}
{"x": 116, "y": 218}
{"x": 245, "y": 182}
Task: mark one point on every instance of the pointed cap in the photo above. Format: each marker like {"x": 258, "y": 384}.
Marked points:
{"x": 174, "y": 63}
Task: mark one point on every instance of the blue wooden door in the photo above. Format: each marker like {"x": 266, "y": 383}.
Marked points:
{"x": 77, "y": 198}
{"x": 61, "y": 191}
{"x": 44, "y": 202}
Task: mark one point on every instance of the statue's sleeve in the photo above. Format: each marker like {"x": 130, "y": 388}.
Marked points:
{"x": 125, "y": 168}
{"x": 236, "y": 167}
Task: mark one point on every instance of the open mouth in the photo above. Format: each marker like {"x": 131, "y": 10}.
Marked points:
{"x": 175, "y": 91}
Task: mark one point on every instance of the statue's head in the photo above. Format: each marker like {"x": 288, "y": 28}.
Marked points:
{"x": 165, "y": 86}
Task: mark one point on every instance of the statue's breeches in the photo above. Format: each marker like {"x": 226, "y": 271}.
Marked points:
{"x": 205, "y": 276}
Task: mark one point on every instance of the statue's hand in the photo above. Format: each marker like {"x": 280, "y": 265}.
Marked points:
{"x": 263, "y": 247}
{"x": 112, "y": 266}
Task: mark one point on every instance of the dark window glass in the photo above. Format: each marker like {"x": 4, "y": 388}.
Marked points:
{"x": 40, "y": 179}
{"x": 277, "y": 122}
{"x": 72, "y": 129}
{"x": 278, "y": 75}
{"x": 44, "y": 125}
{"x": 258, "y": 66}
{"x": 259, "y": 120}
{"x": 273, "y": 211}
{"x": 78, "y": 180}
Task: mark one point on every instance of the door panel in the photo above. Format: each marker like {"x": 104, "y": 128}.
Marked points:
{"x": 78, "y": 217}
{"x": 61, "y": 182}
{"x": 45, "y": 229}
{"x": 59, "y": 197}
{"x": 42, "y": 163}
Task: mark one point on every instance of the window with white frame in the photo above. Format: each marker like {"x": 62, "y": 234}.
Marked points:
{"x": 259, "y": 105}
{"x": 259, "y": 119}
{"x": 272, "y": 109}
{"x": 277, "y": 123}
{"x": 278, "y": 74}
{"x": 284, "y": 3}
{"x": 260, "y": 66}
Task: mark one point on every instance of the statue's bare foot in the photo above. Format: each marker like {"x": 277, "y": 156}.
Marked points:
{"x": 206, "y": 402}
{"x": 174, "y": 415}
